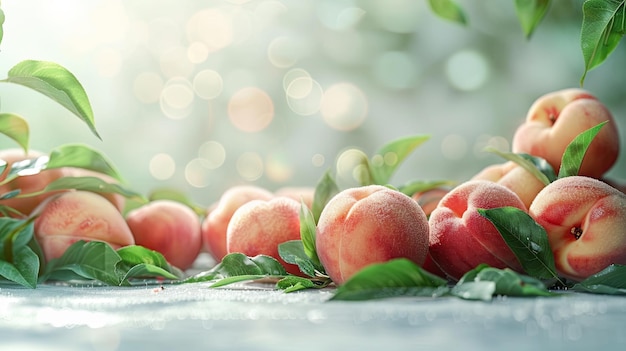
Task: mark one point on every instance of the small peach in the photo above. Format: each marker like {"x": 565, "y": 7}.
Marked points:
{"x": 215, "y": 224}
{"x": 429, "y": 199}
{"x": 168, "y": 227}
{"x": 514, "y": 177}
{"x": 461, "y": 239}
{"x": 70, "y": 216}
{"x": 259, "y": 226}
{"x": 369, "y": 224}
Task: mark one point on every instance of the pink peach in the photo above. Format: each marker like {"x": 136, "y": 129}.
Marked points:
{"x": 514, "y": 177}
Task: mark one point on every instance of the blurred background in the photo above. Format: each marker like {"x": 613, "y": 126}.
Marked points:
{"x": 203, "y": 95}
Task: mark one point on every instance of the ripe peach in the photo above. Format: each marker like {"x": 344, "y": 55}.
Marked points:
{"x": 28, "y": 183}
{"x": 168, "y": 227}
{"x": 70, "y": 216}
{"x": 556, "y": 118}
{"x": 585, "y": 220}
{"x": 304, "y": 193}
{"x": 259, "y": 226}
{"x": 215, "y": 223}
{"x": 514, "y": 177}
{"x": 116, "y": 199}
{"x": 369, "y": 224}
{"x": 461, "y": 239}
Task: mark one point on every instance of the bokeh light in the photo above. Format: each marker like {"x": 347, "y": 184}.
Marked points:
{"x": 318, "y": 160}
{"x": 213, "y": 153}
{"x": 344, "y": 106}
{"x": 197, "y": 52}
{"x": 147, "y": 87}
{"x": 454, "y": 147}
{"x": 349, "y": 163}
{"x": 208, "y": 84}
{"x": 162, "y": 166}
{"x": 197, "y": 173}
{"x": 177, "y": 98}
{"x": 467, "y": 70}
{"x": 278, "y": 168}
{"x": 304, "y": 94}
{"x": 211, "y": 26}
{"x": 250, "y": 166}
{"x": 251, "y": 109}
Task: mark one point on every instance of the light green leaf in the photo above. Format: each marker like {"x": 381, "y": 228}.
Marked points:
{"x": 325, "y": 189}
{"x": 82, "y": 156}
{"x": 308, "y": 232}
{"x": 602, "y": 29}
{"x": 526, "y": 238}
{"x": 237, "y": 264}
{"x": 57, "y": 83}
{"x": 575, "y": 152}
{"x": 16, "y": 128}
{"x": 449, "y": 10}
{"x": 1, "y": 25}
{"x": 93, "y": 184}
{"x": 535, "y": 165}
{"x": 530, "y": 13}
{"x": 388, "y": 158}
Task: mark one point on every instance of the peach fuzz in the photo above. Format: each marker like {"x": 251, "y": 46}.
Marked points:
{"x": 169, "y": 227}
{"x": 514, "y": 177}
{"x": 26, "y": 183}
{"x": 259, "y": 226}
{"x": 215, "y": 224}
{"x": 461, "y": 239}
{"x": 585, "y": 220}
{"x": 366, "y": 225}
{"x": 556, "y": 118}
{"x": 70, "y": 216}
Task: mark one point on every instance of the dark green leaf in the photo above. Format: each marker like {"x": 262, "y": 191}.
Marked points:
{"x": 388, "y": 158}
{"x": 238, "y": 264}
{"x": 16, "y": 128}
{"x": 141, "y": 262}
{"x": 575, "y": 151}
{"x": 325, "y": 190}
{"x": 396, "y": 277}
{"x": 57, "y": 83}
{"x": 93, "y": 260}
{"x": 510, "y": 283}
{"x": 526, "y": 238}
{"x": 18, "y": 262}
{"x": 293, "y": 252}
{"x": 530, "y": 13}
{"x": 610, "y": 281}
{"x": 535, "y": 165}
{"x": 82, "y": 156}
{"x": 449, "y": 10}
{"x": 293, "y": 283}
{"x": 26, "y": 263}
{"x": 602, "y": 30}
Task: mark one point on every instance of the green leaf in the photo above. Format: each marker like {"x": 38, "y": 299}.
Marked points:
{"x": 1, "y": 25}
{"x": 575, "y": 152}
{"x": 449, "y": 10}
{"x": 325, "y": 190}
{"x": 88, "y": 183}
{"x": 82, "y": 156}
{"x": 535, "y": 165}
{"x": 389, "y": 157}
{"x": 526, "y": 238}
{"x": 484, "y": 282}
{"x": 397, "y": 277}
{"x": 609, "y": 281}
{"x": 93, "y": 260}
{"x": 293, "y": 283}
{"x": 475, "y": 290}
{"x": 57, "y": 83}
{"x": 26, "y": 167}
{"x": 237, "y": 264}
{"x": 530, "y": 13}
{"x": 308, "y": 232}
{"x": 418, "y": 186}
{"x": 16, "y": 128}
{"x": 293, "y": 252}
{"x": 145, "y": 270}
{"x": 142, "y": 262}
{"x": 602, "y": 30}
{"x": 18, "y": 262}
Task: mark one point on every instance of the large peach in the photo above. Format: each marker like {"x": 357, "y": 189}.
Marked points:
{"x": 514, "y": 177}
{"x": 556, "y": 118}
{"x": 215, "y": 224}
{"x": 259, "y": 226}
{"x": 27, "y": 183}
{"x": 70, "y": 216}
{"x": 369, "y": 224}
{"x": 585, "y": 220}
{"x": 169, "y": 227}
{"x": 461, "y": 239}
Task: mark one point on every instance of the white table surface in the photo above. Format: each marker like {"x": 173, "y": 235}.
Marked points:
{"x": 254, "y": 316}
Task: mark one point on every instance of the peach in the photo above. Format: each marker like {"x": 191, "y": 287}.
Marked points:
{"x": 168, "y": 227}
{"x": 116, "y": 199}
{"x": 585, "y": 220}
{"x": 514, "y": 177}
{"x": 304, "y": 193}
{"x": 27, "y": 183}
{"x": 369, "y": 224}
{"x": 215, "y": 224}
{"x": 461, "y": 239}
{"x": 429, "y": 199}
{"x": 70, "y": 216}
{"x": 556, "y": 118}
{"x": 259, "y": 226}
